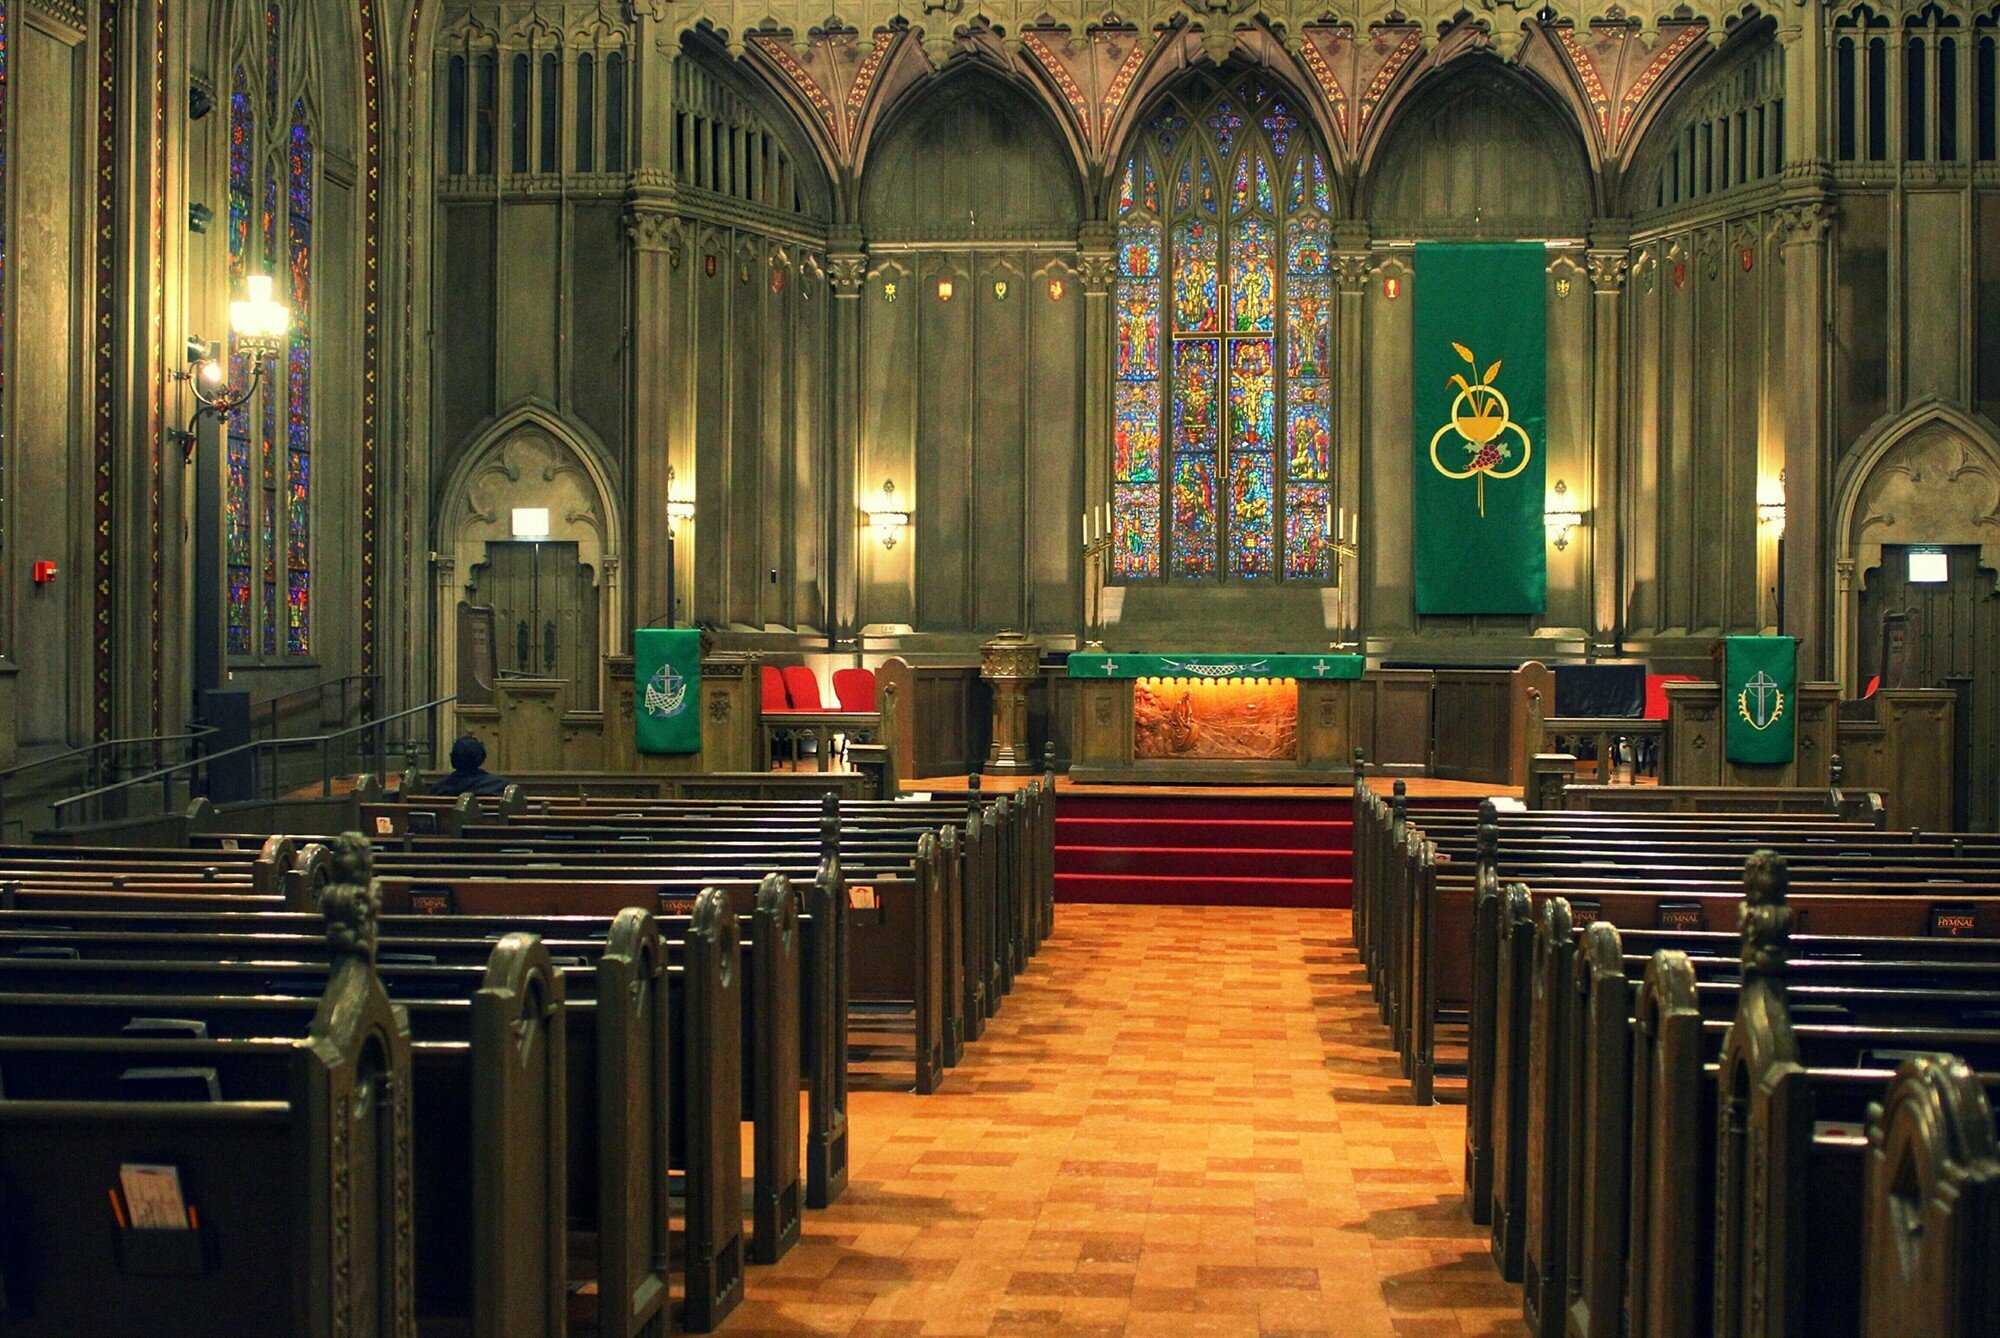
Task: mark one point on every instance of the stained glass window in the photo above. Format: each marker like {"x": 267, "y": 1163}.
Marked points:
{"x": 1223, "y": 411}
{"x": 267, "y": 514}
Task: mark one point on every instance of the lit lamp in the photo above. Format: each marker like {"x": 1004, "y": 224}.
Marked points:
{"x": 1559, "y": 517}
{"x": 1772, "y": 514}
{"x": 889, "y": 520}
{"x": 259, "y": 323}
{"x": 678, "y": 510}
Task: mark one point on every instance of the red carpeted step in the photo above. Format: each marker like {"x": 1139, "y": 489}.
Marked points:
{"x": 1170, "y": 861}
{"x": 1208, "y": 834}
{"x": 1202, "y": 808}
{"x": 1184, "y": 890}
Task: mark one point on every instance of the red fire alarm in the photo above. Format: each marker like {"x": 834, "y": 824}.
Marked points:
{"x": 43, "y": 572}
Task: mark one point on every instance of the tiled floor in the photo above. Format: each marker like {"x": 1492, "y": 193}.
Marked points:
{"x": 1184, "y": 1121}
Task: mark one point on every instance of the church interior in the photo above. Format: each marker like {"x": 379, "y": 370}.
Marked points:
{"x": 988, "y": 669}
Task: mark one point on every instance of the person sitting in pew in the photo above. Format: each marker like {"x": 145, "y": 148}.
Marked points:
{"x": 468, "y": 771}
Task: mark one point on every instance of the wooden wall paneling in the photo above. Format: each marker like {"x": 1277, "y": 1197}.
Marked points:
{"x": 1931, "y": 268}
{"x": 751, "y": 490}
{"x": 1392, "y": 719}
{"x": 770, "y": 287}
{"x": 1055, "y": 449}
{"x": 48, "y": 251}
{"x": 1860, "y": 330}
{"x": 709, "y": 421}
{"x": 1386, "y": 554}
{"x": 1918, "y": 725}
{"x": 1469, "y": 710}
{"x": 466, "y": 324}
{"x": 1986, "y": 302}
{"x": 532, "y": 256}
{"x": 1001, "y": 361}
{"x": 890, "y": 376}
{"x": 1709, "y": 555}
{"x": 1678, "y": 503}
{"x": 1692, "y": 751}
{"x": 1567, "y": 437}
{"x": 1326, "y": 723}
{"x": 947, "y": 532}
{"x": 1643, "y": 500}
{"x": 599, "y": 321}
{"x": 1741, "y": 443}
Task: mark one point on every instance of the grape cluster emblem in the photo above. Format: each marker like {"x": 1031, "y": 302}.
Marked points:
{"x": 1494, "y": 445}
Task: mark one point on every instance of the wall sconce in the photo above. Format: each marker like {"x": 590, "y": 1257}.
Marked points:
{"x": 259, "y": 323}
{"x": 1559, "y": 517}
{"x": 889, "y": 521}
{"x": 1773, "y": 515}
{"x": 680, "y": 511}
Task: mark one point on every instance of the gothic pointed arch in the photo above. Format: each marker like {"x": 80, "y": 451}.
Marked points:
{"x": 1222, "y": 322}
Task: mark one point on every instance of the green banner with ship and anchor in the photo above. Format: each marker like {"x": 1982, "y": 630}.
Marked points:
{"x": 1760, "y": 688}
{"x": 666, "y": 689}
{"x": 1478, "y": 373}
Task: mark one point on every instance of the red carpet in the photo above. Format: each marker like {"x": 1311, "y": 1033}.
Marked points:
{"x": 1197, "y": 850}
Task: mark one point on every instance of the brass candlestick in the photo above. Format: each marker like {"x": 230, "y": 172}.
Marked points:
{"x": 1096, "y": 544}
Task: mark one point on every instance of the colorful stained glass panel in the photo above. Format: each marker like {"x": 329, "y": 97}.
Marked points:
{"x": 1135, "y": 531}
{"x": 1225, "y": 121}
{"x": 1252, "y": 187}
{"x": 1135, "y": 456}
{"x": 1253, "y": 395}
{"x": 1279, "y": 123}
{"x": 1138, "y": 329}
{"x": 1309, "y": 328}
{"x": 1252, "y": 276}
{"x": 1308, "y": 430}
{"x": 1252, "y": 502}
{"x": 1139, "y": 249}
{"x": 1305, "y": 531}
{"x": 1194, "y": 518}
{"x": 1195, "y": 374}
{"x": 1195, "y": 277}
{"x": 1308, "y": 249}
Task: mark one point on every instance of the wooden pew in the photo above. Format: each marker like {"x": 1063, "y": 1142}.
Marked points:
{"x": 1931, "y": 1216}
{"x": 275, "y": 1252}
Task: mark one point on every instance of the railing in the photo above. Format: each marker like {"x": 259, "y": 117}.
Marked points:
{"x": 352, "y": 689}
{"x": 99, "y": 760}
{"x": 1602, "y": 734}
{"x": 339, "y": 752}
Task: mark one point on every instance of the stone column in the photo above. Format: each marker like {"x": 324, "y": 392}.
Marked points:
{"x": 1096, "y": 271}
{"x": 658, "y": 247}
{"x": 1803, "y": 225}
{"x": 1010, "y": 662}
{"x": 846, "y": 273}
{"x": 1609, "y": 264}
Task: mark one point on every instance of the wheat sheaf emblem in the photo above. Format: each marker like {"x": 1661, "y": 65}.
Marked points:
{"x": 1761, "y": 703}
{"x": 1481, "y": 421}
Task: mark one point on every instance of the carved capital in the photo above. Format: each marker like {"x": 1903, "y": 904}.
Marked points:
{"x": 653, "y": 230}
{"x": 1608, "y": 270}
{"x": 847, "y": 272}
{"x": 1095, "y": 270}
{"x": 1351, "y": 270}
{"x": 1804, "y": 223}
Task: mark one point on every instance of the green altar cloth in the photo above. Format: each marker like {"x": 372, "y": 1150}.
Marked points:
{"x": 1097, "y": 664}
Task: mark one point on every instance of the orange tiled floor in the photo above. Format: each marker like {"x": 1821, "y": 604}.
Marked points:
{"x": 1184, "y": 1121}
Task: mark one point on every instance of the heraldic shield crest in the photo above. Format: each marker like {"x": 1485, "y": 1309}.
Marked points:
{"x": 666, "y": 689}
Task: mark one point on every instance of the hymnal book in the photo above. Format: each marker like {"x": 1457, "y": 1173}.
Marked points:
{"x": 153, "y": 1197}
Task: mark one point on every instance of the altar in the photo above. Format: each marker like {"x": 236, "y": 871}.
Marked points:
{"x": 1272, "y": 719}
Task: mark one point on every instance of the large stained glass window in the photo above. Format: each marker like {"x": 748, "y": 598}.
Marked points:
{"x": 273, "y": 190}
{"x": 1222, "y": 416}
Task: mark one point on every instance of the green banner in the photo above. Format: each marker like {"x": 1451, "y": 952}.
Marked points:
{"x": 1760, "y": 692}
{"x": 666, "y": 689}
{"x": 1478, "y": 382}
{"x": 1092, "y": 664}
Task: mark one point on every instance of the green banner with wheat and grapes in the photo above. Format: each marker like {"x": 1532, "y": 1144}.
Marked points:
{"x": 1478, "y": 374}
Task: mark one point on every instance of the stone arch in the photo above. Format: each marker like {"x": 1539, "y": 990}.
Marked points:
{"x": 1478, "y": 120}
{"x": 532, "y": 455}
{"x": 1930, "y": 474}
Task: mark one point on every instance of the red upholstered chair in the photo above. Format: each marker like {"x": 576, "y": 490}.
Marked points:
{"x": 1656, "y": 692}
{"x": 775, "y": 697}
{"x": 802, "y": 686}
{"x": 855, "y": 688}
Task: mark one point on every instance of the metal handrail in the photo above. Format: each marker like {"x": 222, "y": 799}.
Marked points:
{"x": 270, "y": 707}
{"x": 166, "y": 776}
{"x": 92, "y": 756}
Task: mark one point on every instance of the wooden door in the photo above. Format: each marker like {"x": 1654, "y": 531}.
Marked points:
{"x": 1954, "y": 628}
{"x": 544, "y": 605}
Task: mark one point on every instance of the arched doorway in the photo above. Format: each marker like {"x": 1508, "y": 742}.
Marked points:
{"x": 553, "y": 589}
{"x": 1927, "y": 480}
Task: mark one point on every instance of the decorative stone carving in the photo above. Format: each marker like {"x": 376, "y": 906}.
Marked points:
{"x": 1608, "y": 271}
{"x": 652, "y": 230}
{"x": 847, "y": 274}
{"x": 1804, "y": 222}
{"x": 1010, "y": 662}
{"x": 1096, "y": 269}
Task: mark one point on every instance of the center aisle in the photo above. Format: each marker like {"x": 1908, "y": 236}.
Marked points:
{"x": 1184, "y": 1121}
